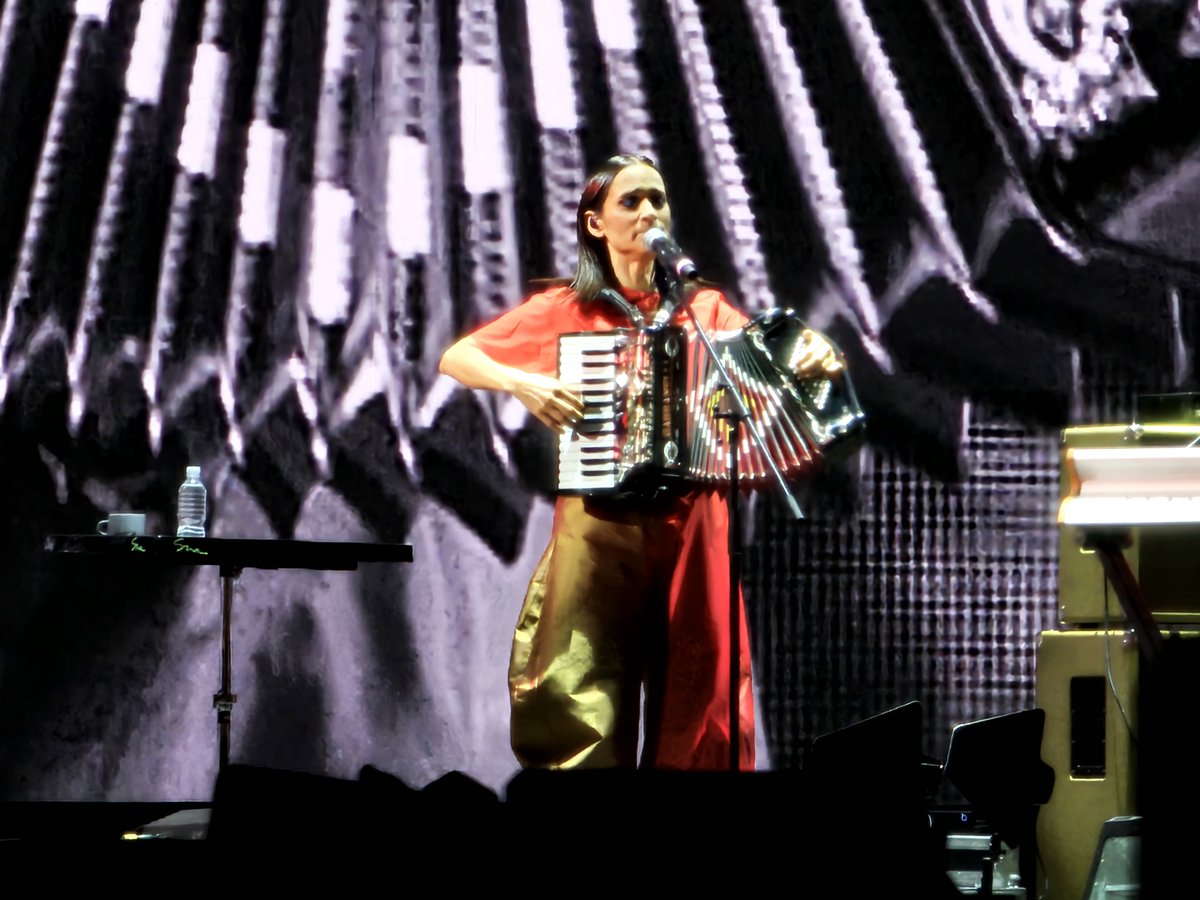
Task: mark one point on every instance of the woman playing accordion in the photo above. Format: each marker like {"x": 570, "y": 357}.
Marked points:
{"x": 632, "y": 593}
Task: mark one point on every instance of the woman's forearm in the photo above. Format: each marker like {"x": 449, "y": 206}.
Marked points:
{"x": 547, "y": 398}
{"x": 471, "y": 367}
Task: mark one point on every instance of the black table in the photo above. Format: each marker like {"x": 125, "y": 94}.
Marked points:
{"x": 231, "y": 555}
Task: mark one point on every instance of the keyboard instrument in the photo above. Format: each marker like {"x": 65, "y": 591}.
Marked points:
{"x": 588, "y": 454}
{"x": 1130, "y": 486}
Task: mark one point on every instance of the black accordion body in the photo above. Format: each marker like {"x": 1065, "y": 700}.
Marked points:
{"x": 652, "y": 403}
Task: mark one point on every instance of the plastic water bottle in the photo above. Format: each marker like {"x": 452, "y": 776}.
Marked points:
{"x": 193, "y": 505}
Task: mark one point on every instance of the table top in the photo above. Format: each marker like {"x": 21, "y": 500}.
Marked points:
{"x": 229, "y": 553}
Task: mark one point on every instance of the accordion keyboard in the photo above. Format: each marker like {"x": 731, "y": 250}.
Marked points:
{"x": 588, "y": 454}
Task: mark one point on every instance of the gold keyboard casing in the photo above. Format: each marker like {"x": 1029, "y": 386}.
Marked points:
{"x": 1164, "y": 558}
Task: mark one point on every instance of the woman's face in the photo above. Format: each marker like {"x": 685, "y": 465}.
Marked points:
{"x": 636, "y": 202}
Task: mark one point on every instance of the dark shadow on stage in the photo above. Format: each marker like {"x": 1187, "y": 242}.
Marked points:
{"x": 771, "y": 832}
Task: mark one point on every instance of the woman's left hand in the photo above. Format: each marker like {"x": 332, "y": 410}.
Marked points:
{"x": 817, "y": 356}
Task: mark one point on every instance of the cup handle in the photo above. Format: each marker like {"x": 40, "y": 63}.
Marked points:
{"x": 102, "y": 527}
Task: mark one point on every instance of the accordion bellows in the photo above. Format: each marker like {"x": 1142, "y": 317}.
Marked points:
{"x": 653, "y": 403}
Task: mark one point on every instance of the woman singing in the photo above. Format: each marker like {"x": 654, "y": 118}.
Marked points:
{"x": 630, "y": 595}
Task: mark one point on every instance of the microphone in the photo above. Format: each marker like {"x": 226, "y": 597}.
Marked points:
{"x": 670, "y": 254}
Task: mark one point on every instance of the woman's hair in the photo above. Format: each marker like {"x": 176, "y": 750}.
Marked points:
{"x": 594, "y": 271}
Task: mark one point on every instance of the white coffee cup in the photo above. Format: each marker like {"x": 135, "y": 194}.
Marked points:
{"x": 122, "y": 523}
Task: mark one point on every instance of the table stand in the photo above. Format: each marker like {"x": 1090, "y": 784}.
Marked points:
{"x": 231, "y": 556}
{"x": 224, "y": 699}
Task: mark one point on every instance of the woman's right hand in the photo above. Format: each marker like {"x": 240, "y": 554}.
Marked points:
{"x": 551, "y": 401}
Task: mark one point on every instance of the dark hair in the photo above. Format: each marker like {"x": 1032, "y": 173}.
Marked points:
{"x": 593, "y": 272}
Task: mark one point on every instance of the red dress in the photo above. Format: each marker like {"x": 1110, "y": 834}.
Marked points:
{"x": 627, "y": 597}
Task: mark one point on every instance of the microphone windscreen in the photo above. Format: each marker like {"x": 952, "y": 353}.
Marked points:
{"x": 653, "y": 236}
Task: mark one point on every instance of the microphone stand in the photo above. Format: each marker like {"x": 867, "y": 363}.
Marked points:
{"x": 735, "y": 413}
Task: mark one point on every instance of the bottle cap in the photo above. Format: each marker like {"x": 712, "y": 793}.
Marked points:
{"x": 193, "y": 473}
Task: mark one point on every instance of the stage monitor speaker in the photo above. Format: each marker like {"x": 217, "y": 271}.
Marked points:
{"x": 996, "y": 765}
{"x": 1087, "y": 683}
{"x": 1165, "y": 559}
{"x": 877, "y": 760}
{"x": 856, "y": 748}
{"x": 1117, "y": 865}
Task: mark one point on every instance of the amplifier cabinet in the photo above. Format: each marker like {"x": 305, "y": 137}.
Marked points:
{"x": 1087, "y": 683}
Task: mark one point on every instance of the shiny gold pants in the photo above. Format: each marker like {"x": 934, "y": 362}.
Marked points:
{"x": 622, "y": 598}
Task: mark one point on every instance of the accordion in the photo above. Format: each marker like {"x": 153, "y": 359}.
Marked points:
{"x": 653, "y": 402}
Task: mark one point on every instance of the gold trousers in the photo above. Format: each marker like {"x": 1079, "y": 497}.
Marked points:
{"x": 626, "y": 599}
